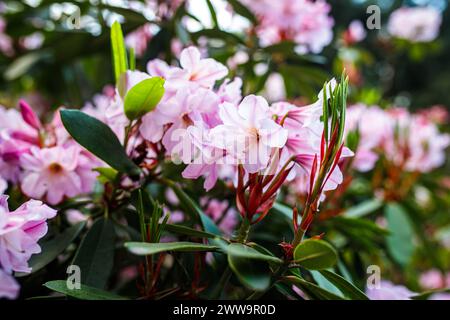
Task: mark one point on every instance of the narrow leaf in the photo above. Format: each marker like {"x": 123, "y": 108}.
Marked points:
{"x": 84, "y": 293}
{"x": 144, "y": 248}
{"x": 118, "y": 50}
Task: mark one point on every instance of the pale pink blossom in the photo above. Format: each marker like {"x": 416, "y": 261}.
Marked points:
{"x": 432, "y": 279}
{"x": 55, "y": 173}
{"x": 305, "y": 22}
{"x": 20, "y": 231}
{"x": 374, "y": 126}
{"x": 416, "y": 24}
{"x": 416, "y": 143}
{"x": 355, "y": 32}
{"x": 139, "y": 39}
{"x": 248, "y": 132}
{"x": 389, "y": 291}
{"x": 195, "y": 71}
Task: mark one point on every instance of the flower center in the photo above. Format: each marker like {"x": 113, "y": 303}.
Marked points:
{"x": 55, "y": 168}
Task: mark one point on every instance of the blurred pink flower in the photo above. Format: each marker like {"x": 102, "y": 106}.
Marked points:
{"x": 416, "y": 24}
{"x": 221, "y": 213}
{"x": 432, "y": 279}
{"x": 305, "y": 22}
{"x": 6, "y": 43}
{"x": 139, "y": 39}
{"x": 389, "y": 291}
{"x": 355, "y": 32}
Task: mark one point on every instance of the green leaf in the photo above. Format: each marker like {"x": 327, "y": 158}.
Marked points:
{"x": 400, "y": 242}
{"x": 119, "y": 52}
{"x": 363, "y": 208}
{"x": 427, "y": 294}
{"x": 84, "y": 293}
{"x": 243, "y": 251}
{"x": 95, "y": 256}
{"x": 315, "y": 254}
{"x": 107, "y": 174}
{"x": 99, "y": 139}
{"x": 145, "y": 248}
{"x": 183, "y": 230}
{"x": 311, "y": 290}
{"x": 52, "y": 248}
{"x": 143, "y": 97}
{"x": 242, "y": 10}
{"x": 346, "y": 287}
{"x": 254, "y": 274}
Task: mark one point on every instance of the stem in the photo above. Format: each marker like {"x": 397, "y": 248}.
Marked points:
{"x": 243, "y": 231}
{"x": 222, "y": 282}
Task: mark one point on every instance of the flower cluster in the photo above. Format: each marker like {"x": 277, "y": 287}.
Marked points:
{"x": 42, "y": 158}
{"x": 305, "y": 22}
{"x": 20, "y": 230}
{"x": 416, "y": 24}
{"x": 411, "y": 142}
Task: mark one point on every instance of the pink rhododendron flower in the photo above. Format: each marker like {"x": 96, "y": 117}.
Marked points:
{"x": 221, "y": 213}
{"x": 416, "y": 24}
{"x": 374, "y": 126}
{"x": 416, "y": 143}
{"x": 433, "y": 279}
{"x": 196, "y": 71}
{"x": 305, "y": 22}
{"x": 356, "y": 32}
{"x": 248, "y": 132}
{"x": 389, "y": 291}
{"x": 9, "y": 288}
{"x": 139, "y": 39}
{"x": 20, "y": 231}
{"x": 55, "y": 173}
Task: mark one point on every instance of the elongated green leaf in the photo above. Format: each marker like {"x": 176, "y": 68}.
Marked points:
{"x": 143, "y": 97}
{"x": 84, "y": 293}
{"x": 324, "y": 283}
{"x": 254, "y": 274}
{"x": 400, "y": 242}
{"x": 179, "y": 229}
{"x": 346, "y": 287}
{"x": 52, "y": 248}
{"x": 242, "y": 10}
{"x": 99, "y": 139}
{"x": 118, "y": 50}
{"x": 243, "y": 251}
{"x": 310, "y": 289}
{"x": 315, "y": 254}
{"x": 363, "y": 208}
{"x": 96, "y": 254}
{"x": 427, "y": 294}
{"x": 145, "y": 249}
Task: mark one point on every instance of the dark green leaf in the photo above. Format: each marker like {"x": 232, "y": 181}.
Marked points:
{"x": 99, "y": 139}
{"x": 315, "y": 254}
{"x": 183, "y": 230}
{"x": 311, "y": 290}
{"x": 243, "y": 251}
{"x": 84, "y": 293}
{"x": 254, "y": 274}
{"x": 96, "y": 254}
{"x": 242, "y": 10}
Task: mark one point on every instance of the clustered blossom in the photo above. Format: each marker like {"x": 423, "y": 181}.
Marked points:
{"x": 20, "y": 230}
{"x": 409, "y": 141}
{"x": 219, "y": 134}
{"x": 416, "y": 24}
{"x": 42, "y": 159}
{"x": 305, "y": 22}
